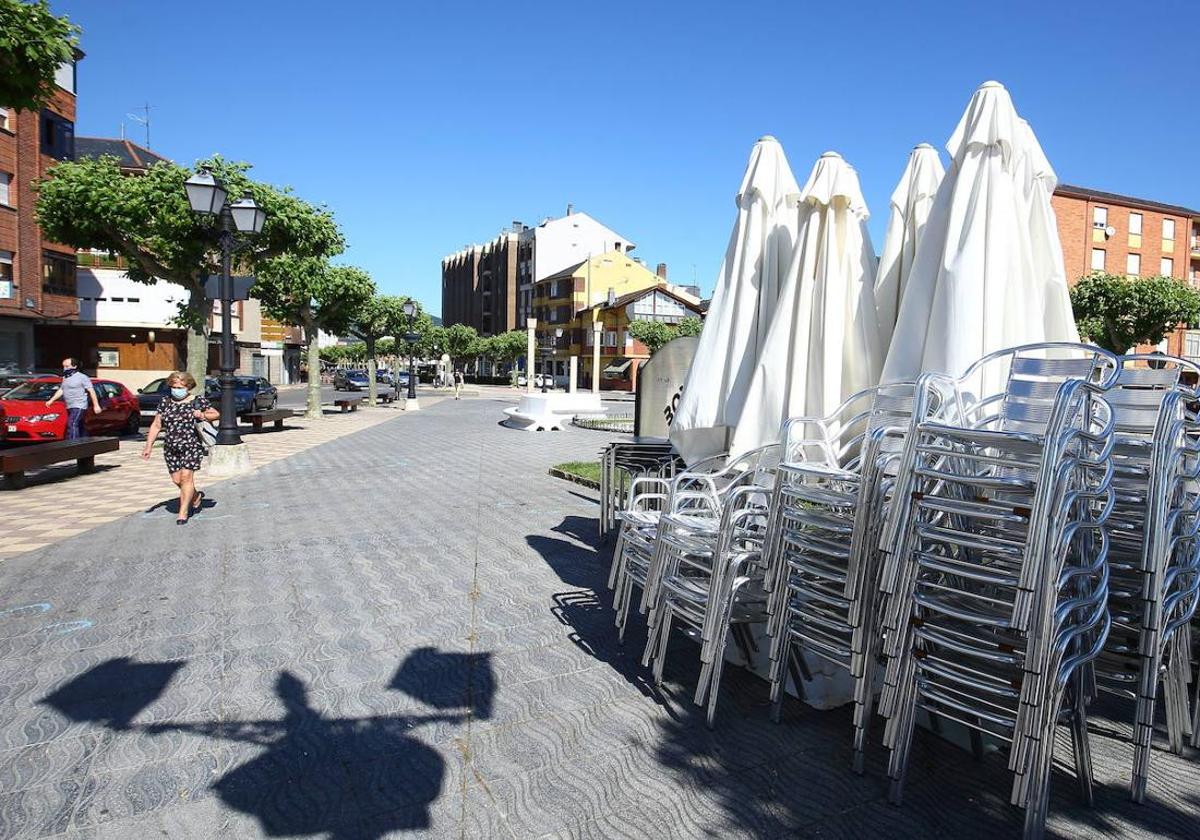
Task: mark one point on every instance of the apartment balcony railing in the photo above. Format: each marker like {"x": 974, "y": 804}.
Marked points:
{"x": 87, "y": 259}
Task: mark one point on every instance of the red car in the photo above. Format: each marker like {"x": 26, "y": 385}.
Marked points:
{"x": 25, "y": 417}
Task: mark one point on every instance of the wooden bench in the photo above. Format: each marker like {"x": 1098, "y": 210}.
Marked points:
{"x": 347, "y": 403}
{"x": 386, "y": 396}
{"x": 275, "y": 415}
{"x": 14, "y": 462}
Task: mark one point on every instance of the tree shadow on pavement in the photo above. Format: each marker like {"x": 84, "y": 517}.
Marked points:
{"x": 340, "y": 777}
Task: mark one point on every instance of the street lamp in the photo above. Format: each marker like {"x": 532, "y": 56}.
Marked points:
{"x": 549, "y": 350}
{"x": 208, "y": 197}
{"x": 410, "y": 310}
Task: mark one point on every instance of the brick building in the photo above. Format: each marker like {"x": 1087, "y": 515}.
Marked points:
{"x": 37, "y": 277}
{"x": 1120, "y": 234}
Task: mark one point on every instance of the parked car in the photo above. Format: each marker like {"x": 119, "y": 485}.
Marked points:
{"x": 150, "y": 395}
{"x": 11, "y": 377}
{"x": 350, "y": 380}
{"x": 250, "y": 393}
{"x": 385, "y": 376}
{"x": 27, "y": 418}
{"x": 402, "y": 379}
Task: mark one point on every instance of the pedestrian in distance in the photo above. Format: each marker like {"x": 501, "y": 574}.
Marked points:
{"x": 75, "y": 389}
{"x": 458, "y": 383}
{"x": 178, "y": 414}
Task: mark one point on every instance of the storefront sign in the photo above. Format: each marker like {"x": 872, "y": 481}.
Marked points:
{"x": 659, "y": 386}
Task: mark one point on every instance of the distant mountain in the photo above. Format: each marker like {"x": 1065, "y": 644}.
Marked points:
{"x": 437, "y": 320}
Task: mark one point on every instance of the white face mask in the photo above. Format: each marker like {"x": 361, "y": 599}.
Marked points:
{"x": 179, "y": 393}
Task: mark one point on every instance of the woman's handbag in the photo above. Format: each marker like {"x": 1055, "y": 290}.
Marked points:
{"x": 207, "y": 434}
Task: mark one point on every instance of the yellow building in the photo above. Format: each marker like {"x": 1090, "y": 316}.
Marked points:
{"x": 602, "y": 287}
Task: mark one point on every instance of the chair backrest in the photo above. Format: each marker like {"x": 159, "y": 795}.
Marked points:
{"x": 837, "y": 439}
{"x": 1015, "y": 389}
{"x": 1143, "y": 382}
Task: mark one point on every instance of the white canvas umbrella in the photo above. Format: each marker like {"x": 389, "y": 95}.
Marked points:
{"x": 911, "y": 202}
{"x": 988, "y": 272}
{"x": 823, "y": 344}
{"x": 743, "y": 303}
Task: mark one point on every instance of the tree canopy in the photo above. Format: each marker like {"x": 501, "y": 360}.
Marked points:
{"x": 147, "y": 219}
{"x": 33, "y": 44}
{"x": 461, "y": 342}
{"x": 311, "y": 293}
{"x": 1118, "y": 313}
{"x": 654, "y": 334}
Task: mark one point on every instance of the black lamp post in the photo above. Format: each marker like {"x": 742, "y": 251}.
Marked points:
{"x": 207, "y": 196}
{"x": 410, "y": 310}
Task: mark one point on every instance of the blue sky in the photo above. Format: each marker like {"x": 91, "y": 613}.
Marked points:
{"x": 426, "y": 126}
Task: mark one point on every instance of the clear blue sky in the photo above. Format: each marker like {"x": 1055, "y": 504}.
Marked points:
{"x": 425, "y": 126}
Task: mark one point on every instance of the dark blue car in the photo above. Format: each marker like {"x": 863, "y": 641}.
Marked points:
{"x": 250, "y": 393}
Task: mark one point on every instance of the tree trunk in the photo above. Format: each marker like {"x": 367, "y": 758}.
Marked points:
{"x": 372, "y": 387}
{"x": 311, "y": 335}
{"x": 200, "y": 311}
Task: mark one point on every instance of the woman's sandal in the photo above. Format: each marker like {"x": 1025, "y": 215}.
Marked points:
{"x": 199, "y": 502}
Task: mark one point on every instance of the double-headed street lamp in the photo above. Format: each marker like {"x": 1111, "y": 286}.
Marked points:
{"x": 208, "y": 197}
{"x": 412, "y": 337}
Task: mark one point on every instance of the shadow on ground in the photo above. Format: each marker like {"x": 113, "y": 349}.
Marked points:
{"x": 339, "y": 777}
{"x": 795, "y": 778}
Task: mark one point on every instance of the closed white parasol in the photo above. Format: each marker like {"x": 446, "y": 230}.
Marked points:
{"x": 823, "y": 344}
{"x": 911, "y": 202}
{"x": 743, "y": 304}
{"x": 988, "y": 272}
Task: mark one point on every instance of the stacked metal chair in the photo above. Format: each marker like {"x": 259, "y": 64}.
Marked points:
{"x": 997, "y": 571}
{"x": 830, "y": 501}
{"x": 1154, "y": 553}
{"x": 698, "y": 489}
{"x": 623, "y": 461}
{"x": 706, "y": 575}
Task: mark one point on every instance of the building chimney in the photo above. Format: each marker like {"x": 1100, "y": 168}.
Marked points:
{"x": 570, "y": 209}
{"x": 612, "y": 297}
{"x": 661, "y": 271}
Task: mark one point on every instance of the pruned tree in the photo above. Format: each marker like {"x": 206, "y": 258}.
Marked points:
{"x": 377, "y": 318}
{"x": 1119, "y": 313}
{"x": 34, "y": 43}
{"x": 654, "y": 334}
{"x": 506, "y": 348}
{"x": 311, "y": 293}
{"x": 147, "y": 220}
{"x": 462, "y": 343}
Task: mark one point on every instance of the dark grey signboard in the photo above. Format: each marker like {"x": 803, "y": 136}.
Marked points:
{"x": 659, "y": 386}
{"x": 241, "y": 287}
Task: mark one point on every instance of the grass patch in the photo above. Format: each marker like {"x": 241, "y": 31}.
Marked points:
{"x": 584, "y": 469}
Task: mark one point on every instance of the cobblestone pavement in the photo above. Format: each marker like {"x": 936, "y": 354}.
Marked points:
{"x": 59, "y": 503}
{"x": 427, "y": 651}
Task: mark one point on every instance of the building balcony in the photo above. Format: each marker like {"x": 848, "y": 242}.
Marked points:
{"x": 88, "y": 259}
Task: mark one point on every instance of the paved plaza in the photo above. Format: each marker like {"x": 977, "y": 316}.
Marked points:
{"x": 404, "y": 632}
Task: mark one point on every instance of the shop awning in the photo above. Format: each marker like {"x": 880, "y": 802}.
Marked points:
{"x": 618, "y": 370}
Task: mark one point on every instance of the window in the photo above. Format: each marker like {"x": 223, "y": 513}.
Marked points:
{"x": 1097, "y": 259}
{"x": 5, "y": 119}
{"x": 1135, "y": 224}
{"x": 1166, "y": 267}
{"x": 1191, "y": 344}
{"x": 58, "y": 136}
{"x": 58, "y": 275}
{"x": 5, "y": 183}
{"x": 1100, "y": 217}
{"x": 6, "y": 275}
{"x": 1133, "y": 265}
{"x": 64, "y": 76}
{"x": 1169, "y": 229}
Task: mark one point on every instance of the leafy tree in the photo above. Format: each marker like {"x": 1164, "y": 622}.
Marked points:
{"x": 433, "y": 342}
{"x": 1119, "y": 313}
{"x": 147, "y": 220}
{"x": 507, "y": 347}
{"x": 33, "y": 43}
{"x": 462, "y": 343}
{"x": 654, "y": 334}
{"x": 378, "y": 317}
{"x": 312, "y": 294}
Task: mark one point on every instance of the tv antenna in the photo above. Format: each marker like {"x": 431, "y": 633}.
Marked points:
{"x": 145, "y": 121}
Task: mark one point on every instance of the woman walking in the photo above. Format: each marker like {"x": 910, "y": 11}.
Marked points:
{"x": 177, "y": 416}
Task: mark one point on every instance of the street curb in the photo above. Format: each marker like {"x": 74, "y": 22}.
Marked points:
{"x": 566, "y": 476}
